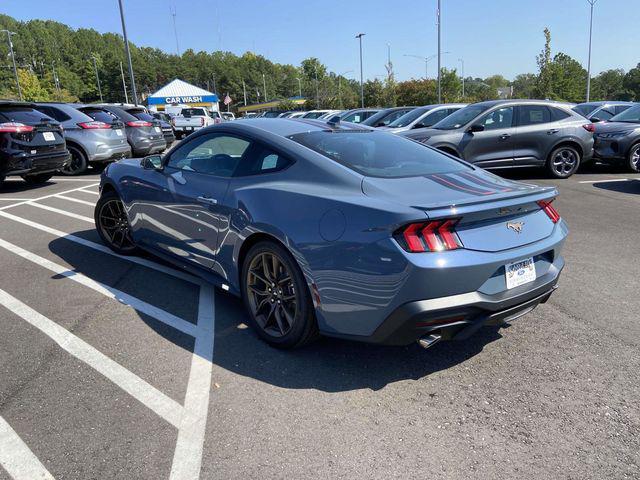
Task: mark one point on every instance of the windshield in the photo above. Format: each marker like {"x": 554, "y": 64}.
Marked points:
{"x": 630, "y": 115}
{"x": 408, "y": 118}
{"x": 461, "y": 117}
{"x": 378, "y": 154}
{"x": 193, "y": 112}
{"x": 585, "y": 109}
{"x": 314, "y": 114}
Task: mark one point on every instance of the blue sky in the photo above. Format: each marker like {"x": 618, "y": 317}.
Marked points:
{"x": 493, "y": 36}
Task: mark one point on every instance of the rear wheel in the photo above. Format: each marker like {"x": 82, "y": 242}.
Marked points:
{"x": 113, "y": 224}
{"x": 563, "y": 162}
{"x": 276, "y": 296}
{"x": 37, "y": 178}
{"x": 633, "y": 159}
{"x": 78, "y": 163}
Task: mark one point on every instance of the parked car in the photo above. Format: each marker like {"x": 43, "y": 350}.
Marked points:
{"x": 514, "y": 133}
{"x": 601, "y": 111}
{"x": 386, "y": 116}
{"x": 144, "y": 137}
{"x": 358, "y": 115}
{"x": 312, "y": 114}
{"x": 228, "y": 116}
{"x": 141, "y": 113}
{"x": 339, "y": 229}
{"x": 422, "y": 117}
{"x": 297, "y": 114}
{"x": 329, "y": 114}
{"x": 271, "y": 114}
{"x": 192, "y": 119}
{"x": 618, "y": 140}
{"x": 90, "y": 142}
{"x": 32, "y": 144}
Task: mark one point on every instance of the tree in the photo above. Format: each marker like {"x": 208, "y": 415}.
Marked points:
{"x": 32, "y": 89}
{"x": 524, "y": 85}
{"x": 608, "y": 85}
{"x": 416, "y": 92}
{"x": 631, "y": 81}
{"x": 287, "y": 105}
{"x": 543, "y": 84}
{"x": 373, "y": 93}
{"x": 568, "y": 79}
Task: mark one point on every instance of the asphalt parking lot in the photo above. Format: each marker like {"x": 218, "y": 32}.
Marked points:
{"x": 124, "y": 368}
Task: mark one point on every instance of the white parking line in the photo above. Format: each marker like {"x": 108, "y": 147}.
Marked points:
{"x": 101, "y": 248}
{"x": 16, "y": 458}
{"x": 76, "y": 200}
{"x": 90, "y": 191}
{"x": 61, "y": 212}
{"x": 49, "y": 196}
{"x": 187, "y": 457}
{"x": 137, "y": 304}
{"x": 165, "y": 407}
{"x": 15, "y": 199}
{"x": 606, "y": 181}
{"x": 58, "y": 179}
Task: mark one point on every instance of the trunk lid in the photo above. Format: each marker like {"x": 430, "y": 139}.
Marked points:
{"x": 494, "y": 214}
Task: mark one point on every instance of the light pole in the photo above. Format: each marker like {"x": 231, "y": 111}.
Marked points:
{"x": 56, "y": 80}
{"x": 591, "y": 3}
{"x": 462, "y": 62}
{"x": 439, "y": 57}
{"x": 299, "y": 86}
{"x": 128, "y": 53}
{"x": 426, "y": 61}
{"x": 95, "y": 67}
{"x": 359, "y": 37}
{"x": 315, "y": 73}
{"x": 13, "y": 59}
{"x": 264, "y": 84}
{"x": 244, "y": 92}
{"x": 124, "y": 85}
{"x": 339, "y": 92}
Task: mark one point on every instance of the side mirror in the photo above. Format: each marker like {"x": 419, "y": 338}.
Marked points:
{"x": 475, "y": 128}
{"x": 152, "y": 162}
{"x": 595, "y": 119}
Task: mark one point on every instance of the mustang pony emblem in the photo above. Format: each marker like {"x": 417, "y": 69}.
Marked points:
{"x": 515, "y": 226}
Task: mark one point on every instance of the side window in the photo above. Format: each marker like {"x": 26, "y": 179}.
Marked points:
{"x": 533, "y": 115}
{"x": 603, "y": 114}
{"x": 620, "y": 108}
{"x": 353, "y": 118}
{"x": 261, "y": 160}
{"x": 558, "y": 114}
{"x": 211, "y": 154}
{"x": 433, "y": 118}
{"x": 501, "y": 118}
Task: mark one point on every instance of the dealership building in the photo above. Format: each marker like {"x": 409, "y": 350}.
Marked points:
{"x": 179, "y": 92}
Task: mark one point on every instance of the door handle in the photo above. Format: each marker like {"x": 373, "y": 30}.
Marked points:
{"x": 207, "y": 200}
{"x": 504, "y": 136}
{"x": 552, "y": 131}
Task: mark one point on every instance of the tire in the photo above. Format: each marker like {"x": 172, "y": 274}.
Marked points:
{"x": 37, "y": 178}
{"x": 116, "y": 232}
{"x": 563, "y": 162}
{"x": 633, "y": 158}
{"x": 99, "y": 166}
{"x": 270, "y": 310}
{"x": 78, "y": 164}
{"x": 2, "y": 177}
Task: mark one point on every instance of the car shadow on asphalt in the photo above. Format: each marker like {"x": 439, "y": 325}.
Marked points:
{"x": 630, "y": 186}
{"x": 524, "y": 174}
{"x": 19, "y": 186}
{"x": 329, "y": 364}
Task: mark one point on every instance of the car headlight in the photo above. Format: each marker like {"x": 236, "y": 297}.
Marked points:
{"x": 614, "y": 134}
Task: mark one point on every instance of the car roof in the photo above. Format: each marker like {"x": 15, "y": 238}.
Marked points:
{"x": 285, "y": 127}
{"x": 17, "y": 103}
{"x": 492, "y": 103}
{"x": 607, "y": 102}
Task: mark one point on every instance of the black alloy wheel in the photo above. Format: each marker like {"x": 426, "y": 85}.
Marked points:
{"x": 78, "y": 163}
{"x": 113, "y": 224}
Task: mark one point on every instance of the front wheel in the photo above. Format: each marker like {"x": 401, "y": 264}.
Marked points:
{"x": 633, "y": 159}
{"x": 276, "y": 296}
{"x": 563, "y": 162}
{"x": 112, "y": 224}
{"x": 38, "y": 178}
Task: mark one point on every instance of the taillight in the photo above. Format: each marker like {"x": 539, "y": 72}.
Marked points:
{"x": 94, "y": 125}
{"x": 14, "y": 127}
{"x": 551, "y": 212}
{"x": 139, "y": 123}
{"x": 589, "y": 127}
{"x": 434, "y": 236}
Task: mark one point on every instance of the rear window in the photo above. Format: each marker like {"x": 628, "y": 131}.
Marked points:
{"x": 54, "y": 112}
{"x": 192, "y": 112}
{"x": 26, "y": 115}
{"x": 585, "y": 109}
{"x": 378, "y": 154}
{"x": 142, "y": 115}
{"x": 100, "y": 115}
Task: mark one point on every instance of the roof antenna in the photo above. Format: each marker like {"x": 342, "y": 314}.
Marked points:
{"x": 334, "y": 121}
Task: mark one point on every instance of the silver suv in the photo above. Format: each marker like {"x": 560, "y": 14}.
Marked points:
{"x": 90, "y": 142}
{"x": 514, "y": 133}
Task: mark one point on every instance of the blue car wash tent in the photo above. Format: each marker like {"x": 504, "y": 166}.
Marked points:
{"x": 179, "y": 92}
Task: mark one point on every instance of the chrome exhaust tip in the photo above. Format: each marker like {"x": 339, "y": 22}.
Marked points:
{"x": 429, "y": 340}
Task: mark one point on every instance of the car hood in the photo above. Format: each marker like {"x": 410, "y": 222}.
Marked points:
{"x": 425, "y": 133}
{"x": 609, "y": 127}
{"x": 434, "y": 191}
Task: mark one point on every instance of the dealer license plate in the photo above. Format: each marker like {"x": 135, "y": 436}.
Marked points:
{"x": 49, "y": 136}
{"x": 520, "y": 272}
{"x": 119, "y": 133}
{"x": 158, "y": 129}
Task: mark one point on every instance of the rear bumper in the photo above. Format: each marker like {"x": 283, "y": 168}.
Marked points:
{"x": 612, "y": 150}
{"x": 107, "y": 153}
{"x": 459, "y": 316}
{"x": 24, "y": 165}
{"x": 149, "y": 147}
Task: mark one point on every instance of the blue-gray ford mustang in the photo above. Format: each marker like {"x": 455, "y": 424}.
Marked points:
{"x": 338, "y": 229}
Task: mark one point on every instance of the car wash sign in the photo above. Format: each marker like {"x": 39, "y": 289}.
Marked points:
{"x": 185, "y": 99}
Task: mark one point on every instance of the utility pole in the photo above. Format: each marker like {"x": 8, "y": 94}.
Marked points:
{"x": 215, "y": 89}
{"x": 172, "y": 10}
{"x": 439, "y": 57}
{"x": 591, "y": 3}
{"x": 95, "y": 67}
{"x": 264, "y": 85}
{"x": 244, "y": 92}
{"x": 128, "y": 53}
{"x": 13, "y": 59}
{"x": 315, "y": 72}
{"x": 462, "y": 62}
{"x": 124, "y": 85}
{"x": 359, "y": 37}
